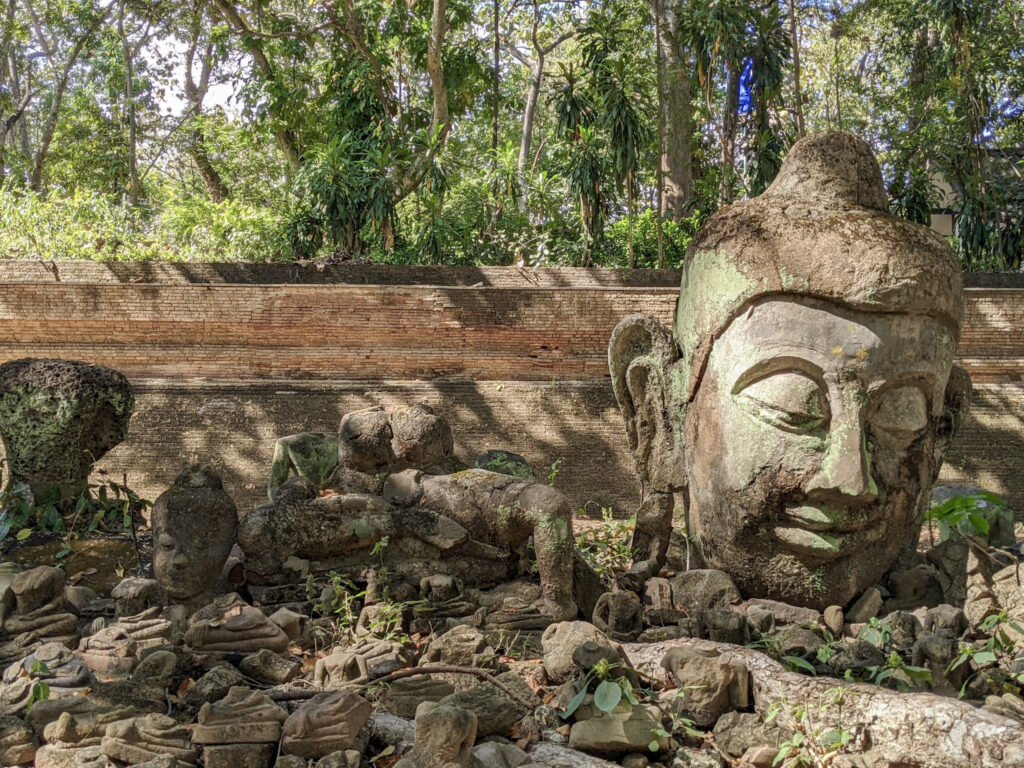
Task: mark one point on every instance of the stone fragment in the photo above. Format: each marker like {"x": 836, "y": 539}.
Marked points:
{"x": 109, "y": 653}
{"x": 761, "y": 619}
{"x": 52, "y": 756}
{"x": 230, "y": 624}
{"x": 697, "y": 591}
{"x": 758, "y": 757}
{"x": 35, "y": 603}
{"x": 799, "y": 642}
{"x": 312, "y": 455}
{"x": 404, "y": 696}
{"x": 788, "y": 614}
{"x": 1006, "y": 705}
{"x": 369, "y": 658}
{"x": 239, "y": 755}
{"x": 270, "y": 668}
{"x": 834, "y": 619}
{"x": 658, "y": 595}
{"x": 444, "y": 737}
{"x": 326, "y": 723}
{"x": 619, "y": 615}
{"x": 856, "y": 656}
{"x": 18, "y": 743}
{"x": 349, "y": 758}
{"x": 58, "y": 417}
{"x": 866, "y": 608}
{"x": 618, "y": 733}
{"x": 460, "y": 646}
{"x": 561, "y": 640}
{"x": 936, "y": 653}
{"x": 289, "y": 621}
{"x": 492, "y": 754}
{"x": 241, "y": 717}
{"x": 194, "y": 527}
{"x": 736, "y": 733}
{"x": 145, "y": 738}
{"x": 52, "y": 664}
{"x": 212, "y": 686}
{"x": 711, "y": 683}
{"x": 903, "y": 627}
{"x": 724, "y": 625}
{"x": 912, "y": 588}
{"x": 134, "y": 595}
{"x": 157, "y": 669}
{"x": 947, "y": 620}
{"x": 496, "y": 712}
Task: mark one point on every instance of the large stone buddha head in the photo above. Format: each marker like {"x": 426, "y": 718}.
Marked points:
{"x": 805, "y": 398}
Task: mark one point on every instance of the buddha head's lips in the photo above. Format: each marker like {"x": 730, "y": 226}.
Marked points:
{"x": 821, "y": 231}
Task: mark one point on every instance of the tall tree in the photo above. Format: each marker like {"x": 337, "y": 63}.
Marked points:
{"x": 675, "y": 106}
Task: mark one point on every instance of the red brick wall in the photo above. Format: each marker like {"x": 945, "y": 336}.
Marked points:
{"x": 223, "y": 368}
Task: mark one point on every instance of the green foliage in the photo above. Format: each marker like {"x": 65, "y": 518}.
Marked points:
{"x": 108, "y": 507}
{"x": 973, "y": 515}
{"x": 607, "y": 547}
{"x": 812, "y": 744}
{"x": 313, "y": 123}
{"x": 87, "y": 225}
{"x": 610, "y": 687}
{"x": 40, "y": 688}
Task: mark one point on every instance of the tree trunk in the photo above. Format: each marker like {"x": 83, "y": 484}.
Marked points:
{"x": 438, "y": 28}
{"x": 794, "y": 36}
{"x": 909, "y": 730}
{"x": 195, "y": 93}
{"x": 286, "y": 140}
{"x": 629, "y": 214}
{"x": 674, "y": 96}
{"x": 659, "y": 174}
{"x": 129, "y": 95}
{"x": 529, "y": 115}
{"x": 729, "y": 123}
{"x": 496, "y": 102}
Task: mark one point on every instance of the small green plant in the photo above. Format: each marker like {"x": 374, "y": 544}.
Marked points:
{"x": 555, "y": 469}
{"x": 611, "y": 688}
{"x": 40, "y": 689}
{"x": 974, "y": 515}
{"x": 876, "y": 633}
{"x": 998, "y": 647}
{"x": 812, "y": 745}
{"x": 893, "y": 672}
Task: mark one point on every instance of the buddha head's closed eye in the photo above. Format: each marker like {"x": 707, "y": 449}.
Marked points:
{"x": 804, "y": 401}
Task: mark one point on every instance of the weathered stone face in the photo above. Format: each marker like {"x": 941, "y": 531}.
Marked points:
{"x": 194, "y": 526}
{"x": 805, "y": 399}
{"x": 810, "y": 446}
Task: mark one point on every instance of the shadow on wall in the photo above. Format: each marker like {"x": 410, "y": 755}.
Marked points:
{"x": 233, "y": 426}
{"x": 989, "y": 450}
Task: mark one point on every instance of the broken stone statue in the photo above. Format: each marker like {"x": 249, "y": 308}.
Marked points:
{"x": 58, "y": 417}
{"x": 802, "y": 404}
{"x": 400, "y": 505}
{"x": 194, "y": 525}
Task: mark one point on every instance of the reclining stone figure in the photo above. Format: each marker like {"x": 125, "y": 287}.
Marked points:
{"x": 401, "y": 505}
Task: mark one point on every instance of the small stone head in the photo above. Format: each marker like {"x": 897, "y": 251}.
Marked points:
{"x": 803, "y": 403}
{"x": 194, "y": 527}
